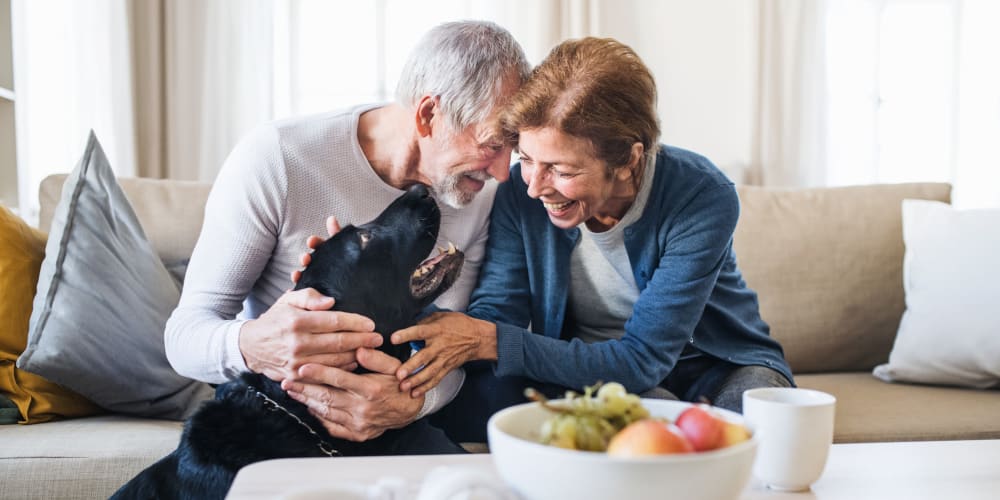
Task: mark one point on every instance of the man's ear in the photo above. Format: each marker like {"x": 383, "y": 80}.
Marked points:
{"x": 427, "y": 109}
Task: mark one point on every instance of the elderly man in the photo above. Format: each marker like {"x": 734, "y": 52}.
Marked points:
{"x": 285, "y": 177}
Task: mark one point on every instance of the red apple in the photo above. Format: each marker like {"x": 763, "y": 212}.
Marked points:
{"x": 648, "y": 437}
{"x": 702, "y": 427}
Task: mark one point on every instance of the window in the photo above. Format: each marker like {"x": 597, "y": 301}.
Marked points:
{"x": 914, "y": 94}
{"x": 332, "y": 54}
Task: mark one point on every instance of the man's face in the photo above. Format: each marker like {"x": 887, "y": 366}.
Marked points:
{"x": 462, "y": 162}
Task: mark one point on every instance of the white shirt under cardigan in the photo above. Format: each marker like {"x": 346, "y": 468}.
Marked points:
{"x": 275, "y": 189}
{"x": 602, "y": 288}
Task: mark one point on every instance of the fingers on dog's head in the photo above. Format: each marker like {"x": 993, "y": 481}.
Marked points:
{"x": 307, "y": 298}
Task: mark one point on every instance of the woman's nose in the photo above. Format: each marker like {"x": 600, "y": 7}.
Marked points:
{"x": 536, "y": 181}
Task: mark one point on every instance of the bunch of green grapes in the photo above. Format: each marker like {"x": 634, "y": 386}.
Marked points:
{"x": 588, "y": 421}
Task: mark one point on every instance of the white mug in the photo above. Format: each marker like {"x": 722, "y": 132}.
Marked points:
{"x": 794, "y": 428}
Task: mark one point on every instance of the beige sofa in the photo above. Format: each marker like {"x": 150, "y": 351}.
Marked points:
{"x": 825, "y": 262}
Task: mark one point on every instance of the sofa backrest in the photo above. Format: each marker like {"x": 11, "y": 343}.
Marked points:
{"x": 171, "y": 212}
{"x": 826, "y": 264}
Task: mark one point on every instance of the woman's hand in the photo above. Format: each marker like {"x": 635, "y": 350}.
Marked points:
{"x": 352, "y": 406}
{"x": 451, "y": 339}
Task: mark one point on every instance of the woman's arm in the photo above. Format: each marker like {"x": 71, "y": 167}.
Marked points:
{"x": 503, "y": 291}
{"x": 693, "y": 250}
{"x": 664, "y": 317}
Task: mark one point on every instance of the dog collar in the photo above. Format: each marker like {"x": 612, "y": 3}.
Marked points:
{"x": 272, "y": 405}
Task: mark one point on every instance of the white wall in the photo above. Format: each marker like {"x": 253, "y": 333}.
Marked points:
{"x": 703, "y": 56}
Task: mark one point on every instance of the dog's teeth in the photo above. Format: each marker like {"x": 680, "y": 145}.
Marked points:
{"x": 417, "y": 273}
{"x": 441, "y": 250}
{"x": 451, "y": 248}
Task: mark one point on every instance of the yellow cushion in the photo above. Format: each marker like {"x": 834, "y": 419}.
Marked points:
{"x": 22, "y": 249}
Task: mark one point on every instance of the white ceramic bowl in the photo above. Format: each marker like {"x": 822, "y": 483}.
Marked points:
{"x": 543, "y": 472}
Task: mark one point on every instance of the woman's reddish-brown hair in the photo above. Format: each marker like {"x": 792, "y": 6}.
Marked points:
{"x": 592, "y": 88}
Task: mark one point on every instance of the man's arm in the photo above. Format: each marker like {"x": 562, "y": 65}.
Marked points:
{"x": 243, "y": 217}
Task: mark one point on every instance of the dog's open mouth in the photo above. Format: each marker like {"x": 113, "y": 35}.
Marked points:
{"x": 437, "y": 273}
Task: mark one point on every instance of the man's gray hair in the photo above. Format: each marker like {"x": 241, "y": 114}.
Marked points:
{"x": 467, "y": 64}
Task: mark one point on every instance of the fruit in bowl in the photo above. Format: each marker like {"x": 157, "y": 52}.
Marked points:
{"x": 649, "y": 437}
{"x": 541, "y": 471}
{"x": 707, "y": 429}
{"x": 589, "y": 421}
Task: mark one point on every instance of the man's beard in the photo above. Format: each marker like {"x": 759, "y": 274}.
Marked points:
{"x": 448, "y": 191}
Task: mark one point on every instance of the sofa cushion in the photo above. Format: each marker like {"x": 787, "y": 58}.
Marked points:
{"x": 84, "y": 458}
{"x": 170, "y": 211}
{"x": 871, "y": 410}
{"x": 826, "y": 264}
{"x": 102, "y": 302}
{"x": 36, "y": 399}
{"x": 950, "y": 333}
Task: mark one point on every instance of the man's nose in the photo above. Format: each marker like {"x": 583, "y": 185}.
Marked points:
{"x": 500, "y": 167}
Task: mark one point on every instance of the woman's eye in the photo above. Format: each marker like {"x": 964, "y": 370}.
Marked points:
{"x": 562, "y": 174}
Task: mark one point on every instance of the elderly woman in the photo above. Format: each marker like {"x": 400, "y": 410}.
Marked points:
{"x": 610, "y": 257}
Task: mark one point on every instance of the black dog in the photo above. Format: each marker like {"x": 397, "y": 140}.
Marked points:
{"x": 375, "y": 270}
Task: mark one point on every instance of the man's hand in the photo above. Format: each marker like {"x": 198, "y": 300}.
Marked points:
{"x": 332, "y": 227}
{"x": 299, "y": 329}
{"x": 451, "y": 339}
{"x": 352, "y": 406}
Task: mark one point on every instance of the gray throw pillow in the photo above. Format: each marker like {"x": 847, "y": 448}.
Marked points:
{"x": 102, "y": 302}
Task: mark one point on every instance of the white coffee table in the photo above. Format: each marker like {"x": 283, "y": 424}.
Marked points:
{"x": 966, "y": 470}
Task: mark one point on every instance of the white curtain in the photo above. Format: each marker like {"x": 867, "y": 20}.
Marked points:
{"x": 789, "y": 133}
{"x": 879, "y": 91}
{"x": 977, "y": 161}
{"x": 73, "y": 74}
{"x": 218, "y": 80}
{"x": 171, "y": 85}
{"x": 232, "y": 64}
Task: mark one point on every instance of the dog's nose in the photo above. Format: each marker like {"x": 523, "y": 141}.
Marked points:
{"x": 419, "y": 190}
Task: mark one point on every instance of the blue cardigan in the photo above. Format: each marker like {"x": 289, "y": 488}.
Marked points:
{"x": 681, "y": 252}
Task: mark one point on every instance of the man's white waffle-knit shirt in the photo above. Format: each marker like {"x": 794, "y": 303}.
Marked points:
{"x": 277, "y": 188}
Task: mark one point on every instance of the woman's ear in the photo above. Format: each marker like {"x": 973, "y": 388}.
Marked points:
{"x": 426, "y": 111}
{"x": 633, "y": 169}
{"x": 636, "y": 158}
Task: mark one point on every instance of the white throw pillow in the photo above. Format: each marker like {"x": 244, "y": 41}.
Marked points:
{"x": 950, "y": 331}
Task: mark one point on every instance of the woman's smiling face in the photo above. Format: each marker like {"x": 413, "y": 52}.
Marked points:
{"x": 572, "y": 183}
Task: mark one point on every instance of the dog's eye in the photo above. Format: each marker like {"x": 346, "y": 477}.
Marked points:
{"x": 365, "y": 237}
